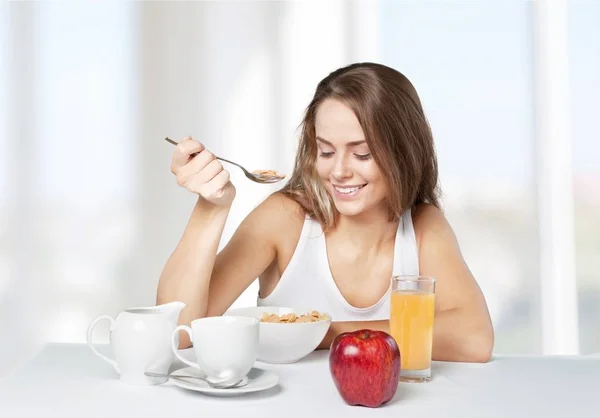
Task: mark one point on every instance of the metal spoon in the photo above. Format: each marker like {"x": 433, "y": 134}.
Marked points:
{"x": 256, "y": 177}
{"x": 216, "y": 385}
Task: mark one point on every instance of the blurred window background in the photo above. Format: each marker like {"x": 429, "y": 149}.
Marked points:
{"x": 89, "y": 211}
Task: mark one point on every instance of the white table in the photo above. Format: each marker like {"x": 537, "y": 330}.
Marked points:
{"x": 67, "y": 380}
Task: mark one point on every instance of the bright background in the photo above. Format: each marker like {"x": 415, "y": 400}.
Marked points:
{"x": 89, "y": 211}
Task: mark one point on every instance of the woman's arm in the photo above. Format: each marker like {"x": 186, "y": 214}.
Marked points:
{"x": 209, "y": 282}
{"x": 194, "y": 274}
{"x": 462, "y": 326}
{"x": 186, "y": 275}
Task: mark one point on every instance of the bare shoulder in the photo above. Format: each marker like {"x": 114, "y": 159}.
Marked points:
{"x": 276, "y": 214}
{"x": 440, "y": 257}
{"x": 431, "y": 226}
{"x": 280, "y": 209}
{"x": 437, "y": 244}
{"x": 283, "y": 205}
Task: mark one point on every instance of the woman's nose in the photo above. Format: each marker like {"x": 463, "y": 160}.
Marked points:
{"x": 341, "y": 169}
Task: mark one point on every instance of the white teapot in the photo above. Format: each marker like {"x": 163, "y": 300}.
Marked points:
{"x": 141, "y": 341}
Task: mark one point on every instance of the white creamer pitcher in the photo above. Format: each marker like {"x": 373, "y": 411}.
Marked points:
{"x": 141, "y": 341}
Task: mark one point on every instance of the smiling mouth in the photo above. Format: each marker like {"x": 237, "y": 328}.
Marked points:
{"x": 348, "y": 189}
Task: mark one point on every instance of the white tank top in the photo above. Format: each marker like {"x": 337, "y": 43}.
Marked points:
{"x": 307, "y": 283}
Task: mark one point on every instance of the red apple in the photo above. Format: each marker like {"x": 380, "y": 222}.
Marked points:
{"x": 365, "y": 366}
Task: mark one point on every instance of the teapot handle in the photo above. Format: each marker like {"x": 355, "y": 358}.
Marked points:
{"x": 91, "y": 344}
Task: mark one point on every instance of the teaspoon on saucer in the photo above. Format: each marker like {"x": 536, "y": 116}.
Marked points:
{"x": 216, "y": 385}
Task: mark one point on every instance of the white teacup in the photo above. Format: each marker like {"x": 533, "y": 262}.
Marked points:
{"x": 226, "y": 347}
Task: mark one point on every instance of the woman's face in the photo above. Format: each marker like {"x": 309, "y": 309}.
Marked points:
{"x": 344, "y": 161}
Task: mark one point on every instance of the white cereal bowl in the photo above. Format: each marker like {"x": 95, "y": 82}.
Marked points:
{"x": 281, "y": 343}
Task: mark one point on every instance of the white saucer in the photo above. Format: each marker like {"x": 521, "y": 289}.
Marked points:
{"x": 258, "y": 379}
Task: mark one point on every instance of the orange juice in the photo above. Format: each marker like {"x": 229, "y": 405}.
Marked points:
{"x": 411, "y": 325}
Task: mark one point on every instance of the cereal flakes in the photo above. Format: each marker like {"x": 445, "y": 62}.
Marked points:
{"x": 292, "y": 318}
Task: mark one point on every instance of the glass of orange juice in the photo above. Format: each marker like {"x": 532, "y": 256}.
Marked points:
{"x": 411, "y": 324}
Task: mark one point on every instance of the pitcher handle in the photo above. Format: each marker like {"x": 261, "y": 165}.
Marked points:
{"x": 175, "y": 344}
{"x": 91, "y": 344}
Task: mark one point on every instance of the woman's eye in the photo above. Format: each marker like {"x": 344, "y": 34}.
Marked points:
{"x": 363, "y": 157}
{"x": 325, "y": 154}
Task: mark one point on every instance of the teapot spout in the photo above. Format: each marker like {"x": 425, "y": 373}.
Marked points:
{"x": 172, "y": 310}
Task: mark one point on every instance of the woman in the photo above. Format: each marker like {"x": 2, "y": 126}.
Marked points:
{"x": 361, "y": 205}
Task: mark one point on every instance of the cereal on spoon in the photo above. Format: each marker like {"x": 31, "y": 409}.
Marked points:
{"x": 268, "y": 174}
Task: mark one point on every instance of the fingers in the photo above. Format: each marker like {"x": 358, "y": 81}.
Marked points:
{"x": 201, "y": 169}
{"x": 214, "y": 188}
{"x": 184, "y": 149}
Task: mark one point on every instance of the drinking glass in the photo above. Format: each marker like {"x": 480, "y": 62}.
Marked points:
{"x": 411, "y": 324}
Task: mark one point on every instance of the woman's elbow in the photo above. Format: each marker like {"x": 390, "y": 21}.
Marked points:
{"x": 480, "y": 345}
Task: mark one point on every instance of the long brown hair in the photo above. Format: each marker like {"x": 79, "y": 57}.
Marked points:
{"x": 396, "y": 130}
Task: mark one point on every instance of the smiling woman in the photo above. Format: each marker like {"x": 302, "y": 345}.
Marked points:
{"x": 360, "y": 207}
{"x": 365, "y": 120}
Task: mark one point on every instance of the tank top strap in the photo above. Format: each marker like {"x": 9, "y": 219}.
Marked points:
{"x": 406, "y": 255}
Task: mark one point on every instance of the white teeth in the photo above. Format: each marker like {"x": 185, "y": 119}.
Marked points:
{"x": 347, "y": 190}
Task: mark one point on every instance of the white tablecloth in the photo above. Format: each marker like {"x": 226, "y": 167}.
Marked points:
{"x": 67, "y": 380}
